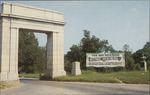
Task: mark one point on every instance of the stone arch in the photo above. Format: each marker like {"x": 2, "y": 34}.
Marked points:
{"x": 15, "y": 17}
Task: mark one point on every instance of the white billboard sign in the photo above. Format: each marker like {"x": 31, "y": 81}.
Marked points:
{"x": 105, "y": 60}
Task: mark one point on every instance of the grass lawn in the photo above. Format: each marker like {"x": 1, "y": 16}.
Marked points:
{"x": 135, "y": 77}
{"x": 30, "y": 75}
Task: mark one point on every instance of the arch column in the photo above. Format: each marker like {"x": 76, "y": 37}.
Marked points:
{"x": 9, "y": 53}
{"x": 55, "y": 55}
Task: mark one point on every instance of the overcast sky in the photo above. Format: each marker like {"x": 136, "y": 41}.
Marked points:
{"x": 119, "y": 22}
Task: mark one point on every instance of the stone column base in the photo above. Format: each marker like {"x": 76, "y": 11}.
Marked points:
{"x": 52, "y": 74}
{"x": 59, "y": 73}
{"x": 76, "y": 72}
{"x": 7, "y": 76}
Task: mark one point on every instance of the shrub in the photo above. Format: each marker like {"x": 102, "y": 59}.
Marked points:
{"x": 91, "y": 69}
{"x": 137, "y": 67}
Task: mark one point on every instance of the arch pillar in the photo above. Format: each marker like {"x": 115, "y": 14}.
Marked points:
{"x": 55, "y": 55}
{"x": 9, "y": 53}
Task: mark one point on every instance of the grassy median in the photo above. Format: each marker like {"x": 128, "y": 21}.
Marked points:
{"x": 36, "y": 75}
{"x": 134, "y": 77}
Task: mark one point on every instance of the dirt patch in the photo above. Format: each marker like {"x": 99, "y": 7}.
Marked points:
{"x": 119, "y": 80}
{"x": 9, "y": 84}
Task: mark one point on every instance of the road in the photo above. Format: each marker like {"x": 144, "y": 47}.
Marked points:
{"x": 38, "y": 87}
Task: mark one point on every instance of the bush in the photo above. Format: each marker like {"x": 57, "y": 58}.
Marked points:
{"x": 68, "y": 65}
{"x": 117, "y": 69}
{"x": 91, "y": 69}
{"x": 43, "y": 77}
{"x": 137, "y": 67}
{"x": 109, "y": 69}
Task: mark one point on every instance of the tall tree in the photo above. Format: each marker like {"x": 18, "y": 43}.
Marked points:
{"x": 147, "y": 45}
{"x": 106, "y": 47}
{"x": 129, "y": 61}
{"x": 139, "y": 53}
{"x": 31, "y": 57}
{"x": 88, "y": 44}
{"x": 75, "y": 53}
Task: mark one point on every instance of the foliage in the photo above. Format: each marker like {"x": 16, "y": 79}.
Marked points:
{"x": 137, "y": 67}
{"x": 146, "y": 52}
{"x": 68, "y": 65}
{"x": 29, "y": 75}
{"x": 129, "y": 61}
{"x": 126, "y": 48}
{"x": 75, "y": 53}
{"x": 31, "y": 57}
{"x": 108, "y": 70}
{"x": 147, "y": 45}
{"x": 92, "y": 44}
{"x": 88, "y": 44}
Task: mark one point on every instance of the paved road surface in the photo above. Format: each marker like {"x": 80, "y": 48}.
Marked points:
{"x": 37, "y": 87}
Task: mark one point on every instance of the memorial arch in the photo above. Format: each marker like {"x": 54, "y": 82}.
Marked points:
{"x": 16, "y": 17}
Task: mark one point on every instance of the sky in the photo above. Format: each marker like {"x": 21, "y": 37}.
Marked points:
{"x": 119, "y": 22}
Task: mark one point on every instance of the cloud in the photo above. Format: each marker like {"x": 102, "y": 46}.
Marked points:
{"x": 134, "y": 9}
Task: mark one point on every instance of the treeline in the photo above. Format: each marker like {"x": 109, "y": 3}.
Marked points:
{"x": 32, "y": 58}
{"x": 92, "y": 44}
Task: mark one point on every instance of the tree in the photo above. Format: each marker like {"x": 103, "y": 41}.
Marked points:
{"x": 75, "y": 53}
{"x": 93, "y": 44}
{"x": 139, "y": 53}
{"x": 147, "y": 45}
{"x": 127, "y": 48}
{"x": 88, "y": 44}
{"x": 129, "y": 61}
{"x": 106, "y": 47}
{"x": 68, "y": 64}
{"x": 31, "y": 56}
